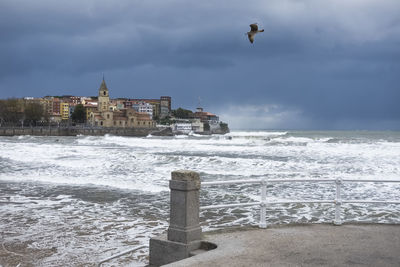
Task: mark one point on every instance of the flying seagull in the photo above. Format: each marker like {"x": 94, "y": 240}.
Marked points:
{"x": 253, "y": 31}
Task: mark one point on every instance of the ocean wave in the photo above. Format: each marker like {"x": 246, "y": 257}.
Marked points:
{"x": 105, "y": 160}
{"x": 114, "y": 190}
{"x": 255, "y": 134}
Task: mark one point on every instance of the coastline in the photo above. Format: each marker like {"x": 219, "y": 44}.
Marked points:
{"x": 74, "y": 131}
{"x": 93, "y": 131}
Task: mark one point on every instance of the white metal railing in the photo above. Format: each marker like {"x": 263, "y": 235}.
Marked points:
{"x": 263, "y": 203}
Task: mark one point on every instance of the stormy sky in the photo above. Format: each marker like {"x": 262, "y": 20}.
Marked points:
{"x": 332, "y": 64}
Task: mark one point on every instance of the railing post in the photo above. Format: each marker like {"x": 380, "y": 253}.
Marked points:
{"x": 263, "y": 212}
{"x": 338, "y": 202}
{"x": 184, "y": 224}
{"x": 184, "y": 232}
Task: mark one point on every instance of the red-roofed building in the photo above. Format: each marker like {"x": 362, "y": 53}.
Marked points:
{"x": 206, "y": 117}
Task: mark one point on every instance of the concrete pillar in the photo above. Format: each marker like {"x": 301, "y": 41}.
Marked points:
{"x": 184, "y": 223}
{"x": 184, "y": 232}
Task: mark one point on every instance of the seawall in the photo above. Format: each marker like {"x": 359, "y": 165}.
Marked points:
{"x": 74, "y": 131}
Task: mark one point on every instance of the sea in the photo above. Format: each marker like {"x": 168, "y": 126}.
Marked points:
{"x": 73, "y": 201}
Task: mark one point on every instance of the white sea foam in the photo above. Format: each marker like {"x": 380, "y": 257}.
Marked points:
{"x": 255, "y": 134}
{"x": 294, "y": 140}
{"x": 140, "y": 163}
{"x": 49, "y": 171}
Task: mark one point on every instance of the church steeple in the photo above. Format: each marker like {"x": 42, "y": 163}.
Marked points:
{"x": 104, "y": 98}
{"x": 103, "y": 90}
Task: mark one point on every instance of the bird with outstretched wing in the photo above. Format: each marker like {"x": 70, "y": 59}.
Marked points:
{"x": 253, "y": 31}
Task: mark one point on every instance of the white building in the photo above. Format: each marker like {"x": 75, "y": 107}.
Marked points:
{"x": 144, "y": 107}
{"x": 181, "y": 127}
{"x": 197, "y": 126}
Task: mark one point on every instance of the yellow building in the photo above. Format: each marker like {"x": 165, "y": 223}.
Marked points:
{"x": 89, "y": 108}
{"x": 64, "y": 110}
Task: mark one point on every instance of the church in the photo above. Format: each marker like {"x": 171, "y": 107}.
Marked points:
{"x": 108, "y": 116}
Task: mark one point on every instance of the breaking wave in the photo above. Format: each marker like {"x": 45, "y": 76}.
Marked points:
{"x": 114, "y": 190}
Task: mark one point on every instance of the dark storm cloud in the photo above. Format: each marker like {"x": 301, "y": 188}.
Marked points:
{"x": 79, "y": 37}
{"x": 327, "y": 63}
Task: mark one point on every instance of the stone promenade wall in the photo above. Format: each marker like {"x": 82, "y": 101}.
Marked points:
{"x": 73, "y": 131}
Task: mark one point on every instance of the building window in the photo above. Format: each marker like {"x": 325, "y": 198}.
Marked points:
{"x": 101, "y": 123}
{"x": 108, "y": 116}
{"x": 114, "y": 122}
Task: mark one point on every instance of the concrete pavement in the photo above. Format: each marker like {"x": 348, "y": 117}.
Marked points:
{"x": 302, "y": 245}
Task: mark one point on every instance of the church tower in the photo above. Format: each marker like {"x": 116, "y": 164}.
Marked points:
{"x": 104, "y": 98}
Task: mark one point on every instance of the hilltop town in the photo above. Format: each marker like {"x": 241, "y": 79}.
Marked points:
{"x": 103, "y": 112}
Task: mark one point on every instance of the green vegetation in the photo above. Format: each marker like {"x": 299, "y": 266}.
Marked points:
{"x": 79, "y": 114}
{"x": 182, "y": 113}
{"x": 33, "y": 112}
{"x": 11, "y": 110}
{"x": 166, "y": 121}
{"x": 179, "y": 113}
{"x": 15, "y": 111}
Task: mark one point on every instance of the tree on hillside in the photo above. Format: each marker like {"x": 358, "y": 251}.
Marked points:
{"x": 182, "y": 113}
{"x": 79, "y": 114}
{"x": 166, "y": 121}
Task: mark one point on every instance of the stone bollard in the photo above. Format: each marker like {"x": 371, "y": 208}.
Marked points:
{"x": 184, "y": 232}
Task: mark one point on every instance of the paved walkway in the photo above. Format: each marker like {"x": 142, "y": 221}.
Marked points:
{"x": 303, "y": 245}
